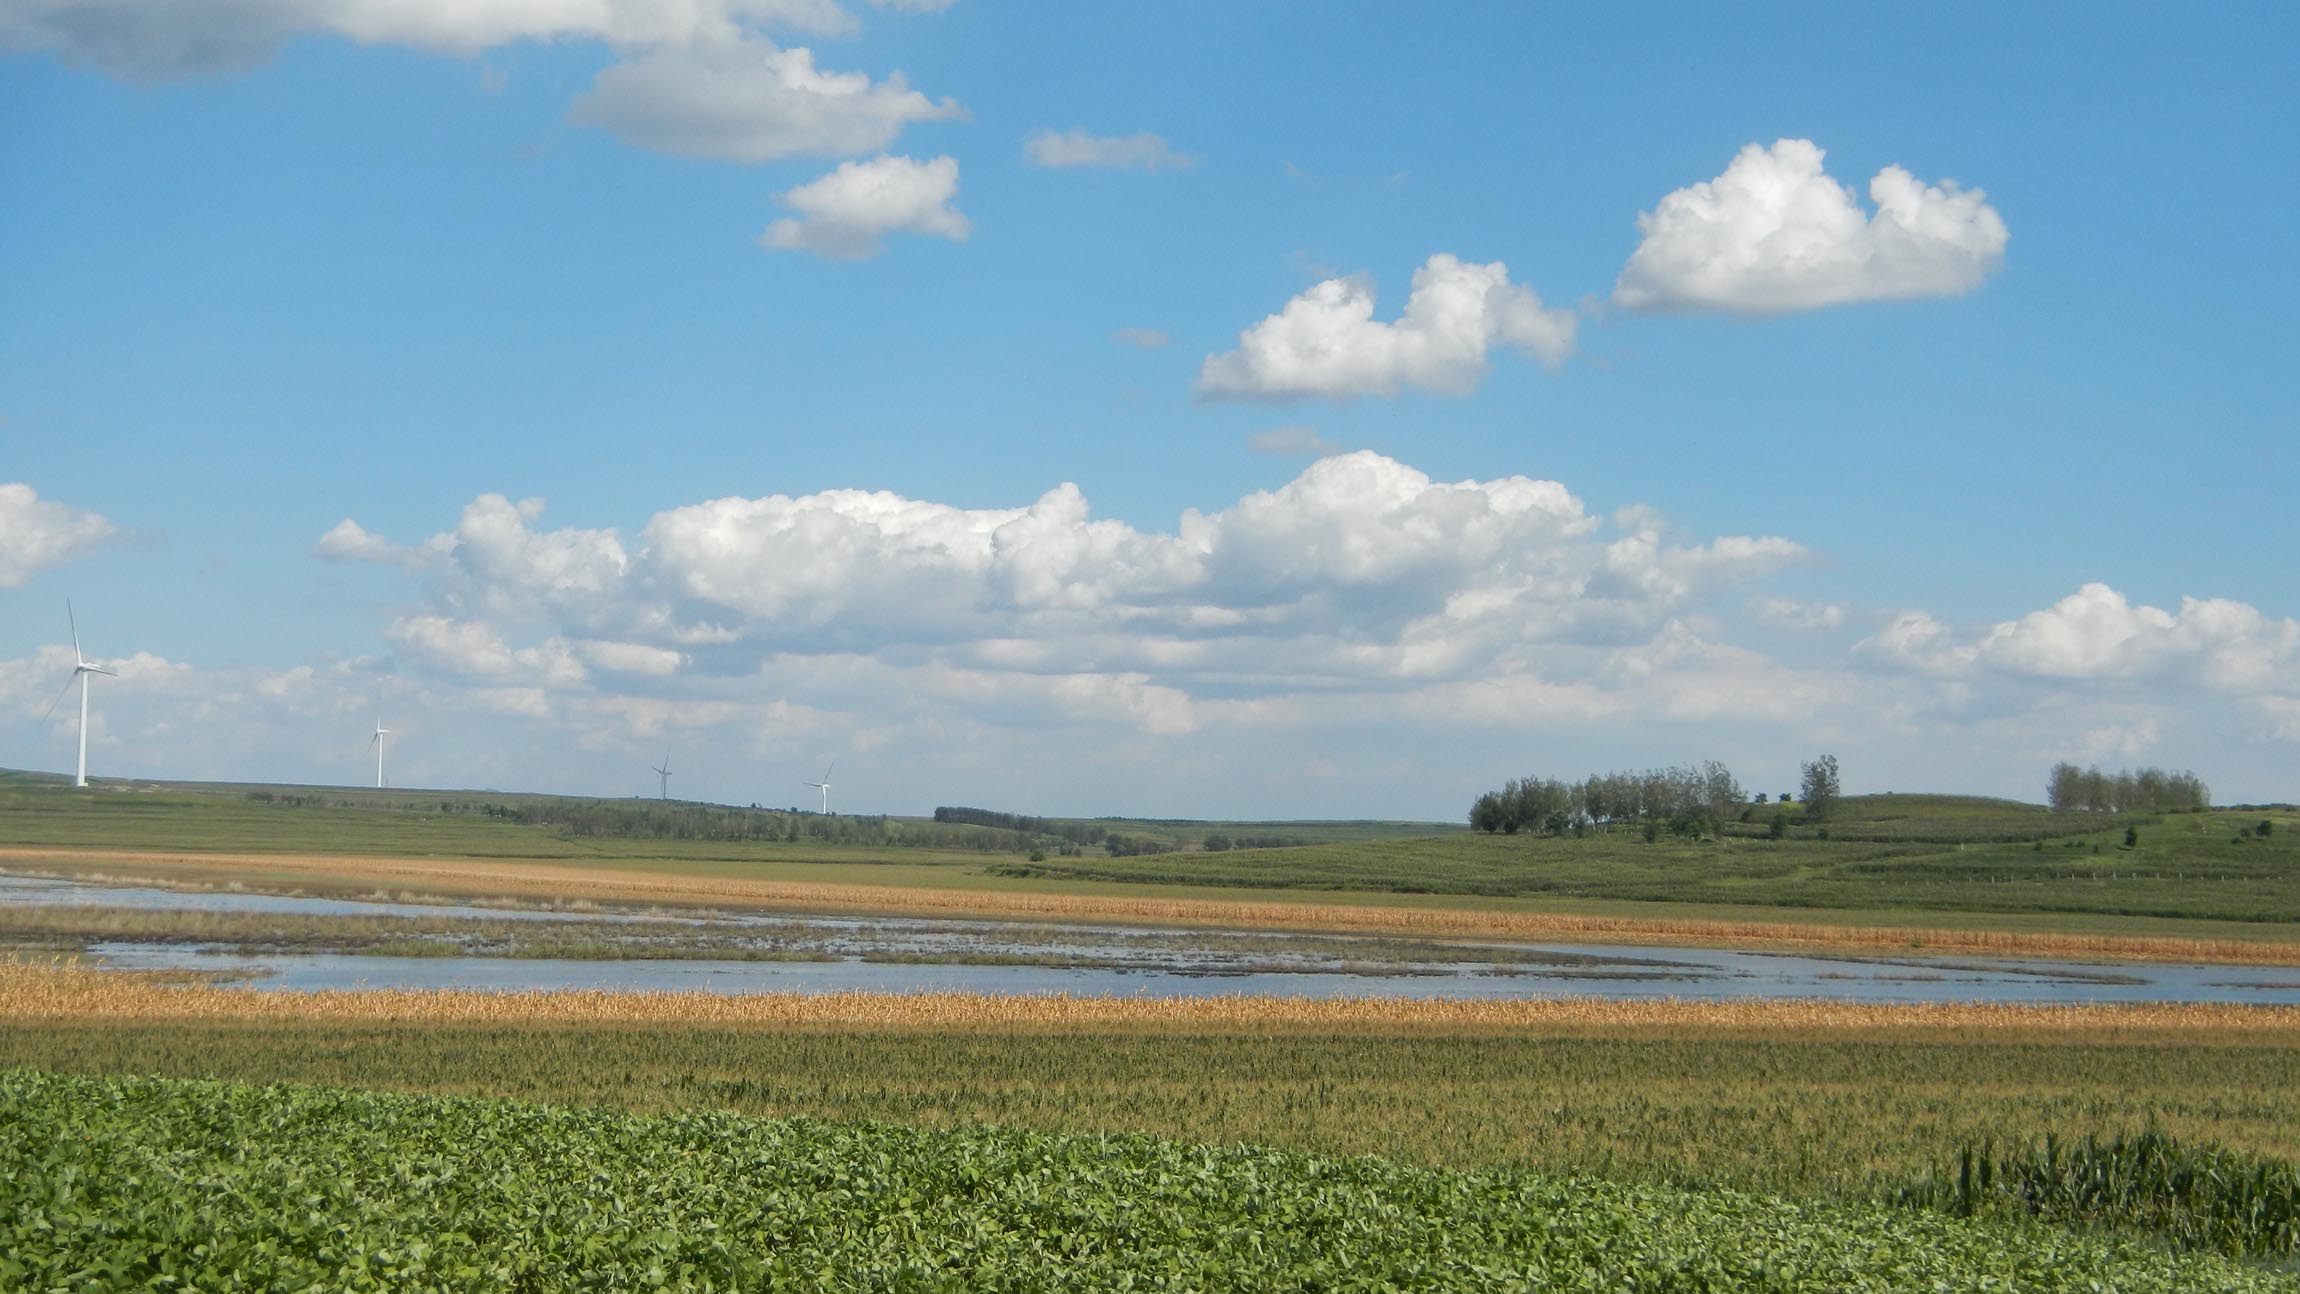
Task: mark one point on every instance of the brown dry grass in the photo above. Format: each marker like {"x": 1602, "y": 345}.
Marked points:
{"x": 561, "y": 884}
{"x": 65, "y": 991}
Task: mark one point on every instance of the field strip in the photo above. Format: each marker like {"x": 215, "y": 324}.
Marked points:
{"x": 66, "y": 991}
{"x": 557, "y": 882}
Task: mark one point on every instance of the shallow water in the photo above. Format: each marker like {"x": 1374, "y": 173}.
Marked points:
{"x": 1692, "y": 974}
{"x": 1153, "y": 962}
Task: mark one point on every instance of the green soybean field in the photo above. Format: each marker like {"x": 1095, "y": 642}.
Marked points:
{"x": 156, "y": 1184}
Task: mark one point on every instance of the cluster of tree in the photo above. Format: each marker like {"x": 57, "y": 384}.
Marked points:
{"x": 1077, "y": 833}
{"x": 1124, "y": 846}
{"x": 1217, "y": 841}
{"x": 678, "y": 820}
{"x": 2070, "y": 789}
{"x": 1683, "y": 797}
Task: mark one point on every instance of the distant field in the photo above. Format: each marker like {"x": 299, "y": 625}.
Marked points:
{"x": 38, "y": 809}
{"x": 1882, "y": 853}
{"x": 1953, "y": 873}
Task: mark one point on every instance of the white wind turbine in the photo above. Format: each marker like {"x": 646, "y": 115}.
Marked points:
{"x": 377, "y": 741}
{"x": 664, "y": 770}
{"x": 82, "y": 667}
{"x": 824, "y": 786}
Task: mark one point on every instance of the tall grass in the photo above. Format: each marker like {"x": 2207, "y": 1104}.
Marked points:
{"x": 2199, "y": 1196}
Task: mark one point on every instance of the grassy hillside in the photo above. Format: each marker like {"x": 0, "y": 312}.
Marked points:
{"x": 44, "y": 809}
{"x": 1929, "y": 853}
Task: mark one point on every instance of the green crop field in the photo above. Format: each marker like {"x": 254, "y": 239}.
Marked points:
{"x": 1802, "y": 1111}
{"x": 112, "y": 1184}
{"x": 1929, "y": 854}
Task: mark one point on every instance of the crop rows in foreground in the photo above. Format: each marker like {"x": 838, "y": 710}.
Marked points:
{"x": 147, "y": 1183}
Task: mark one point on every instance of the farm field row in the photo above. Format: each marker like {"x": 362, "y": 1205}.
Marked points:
{"x": 1790, "y": 1097}
{"x": 127, "y": 1183}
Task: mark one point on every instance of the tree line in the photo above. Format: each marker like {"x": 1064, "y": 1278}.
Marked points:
{"x": 2069, "y": 789}
{"x": 1686, "y": 799}
{"x": 1682, "y": 796}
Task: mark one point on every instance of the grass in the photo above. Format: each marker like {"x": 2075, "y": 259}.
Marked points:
{"x": 137, "y": 1184}
{"x": 2198, "y": 1196}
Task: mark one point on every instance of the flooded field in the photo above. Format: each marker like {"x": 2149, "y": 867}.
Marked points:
{"x": 292, "y": 943}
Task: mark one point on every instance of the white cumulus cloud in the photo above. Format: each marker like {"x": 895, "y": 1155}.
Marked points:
{"x": 1775, "y": 233}
{"x": 2096, "y": 633}
{"x": 746, "y": 100}
{"x": 37, "y": 533}
{"x": 847, "y": 214}
{"x": 1326, "y": 342}
{"x": 1142, "y": 152}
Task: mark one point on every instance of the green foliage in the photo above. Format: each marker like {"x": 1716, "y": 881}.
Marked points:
{"x": 1554, "y": 808}
{"x": 137, "y": 1184}
{"x": 1819, "y": 788}
{"x": 2069, "y": 789}
{"x": 2198, "y": 1197}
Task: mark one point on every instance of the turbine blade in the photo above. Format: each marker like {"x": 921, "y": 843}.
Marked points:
{"x": 60, "y": 697}
{"x": 74, "y": 620}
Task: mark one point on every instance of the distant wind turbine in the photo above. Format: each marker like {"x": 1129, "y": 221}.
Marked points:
{"x": 377, "y": 741}
{"x": 82, "y": 667}
{"x": 665, "y": 770}
{"x": 824, "y": 786}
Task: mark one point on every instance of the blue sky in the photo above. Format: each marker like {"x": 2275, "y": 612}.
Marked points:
{"x": 1691, "y": 450}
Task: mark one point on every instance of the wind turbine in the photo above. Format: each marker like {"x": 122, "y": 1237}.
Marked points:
{"x": 377, "y": 742}
{"x": 665, "y": 770}
{"x": 81, "y": 669}
{"x": 824, "y": 786}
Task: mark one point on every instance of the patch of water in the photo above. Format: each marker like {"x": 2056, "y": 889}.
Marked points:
{"x": 1708, "y": 975}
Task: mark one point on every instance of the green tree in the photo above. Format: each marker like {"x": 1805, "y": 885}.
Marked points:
{"x": 1818, "y": 788}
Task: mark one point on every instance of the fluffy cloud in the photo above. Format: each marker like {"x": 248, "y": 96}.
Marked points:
{"x": 1143, "y": 152}
{"x": 475, "y": 649}
{"x": 695, "y": 78}
{"x": 2096, "y": 634}
{"x": 1361, "y": 572}
{"x": 37, "y": 533}
{"x": 1774, "y": 233}
{"x": 1326, "y": 342}
{"x": 160, "y": 39}
{"x": 747, "y": 101}
{"x": 846, "y": 215}
{"x": 1787, "y": 613}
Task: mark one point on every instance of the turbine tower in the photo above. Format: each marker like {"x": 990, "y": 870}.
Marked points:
{"x": 377, "y": 742}
{"x": 82, "y": 667}
{"x": 824, "y": 786}
{"x": 664, "y": 770}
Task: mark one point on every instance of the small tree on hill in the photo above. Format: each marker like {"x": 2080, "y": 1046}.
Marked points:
{"x": 1818, "y": 788}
